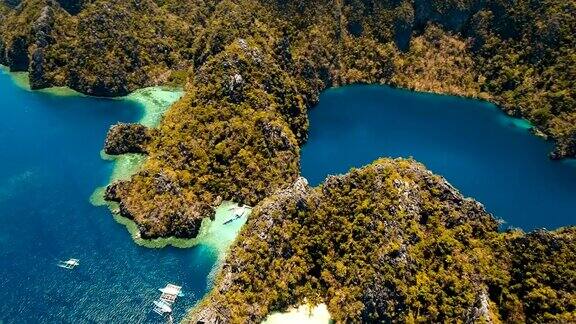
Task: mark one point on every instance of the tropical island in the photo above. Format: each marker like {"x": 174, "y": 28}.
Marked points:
{"x": 402, "y": 244}
{"x": 391, "y": 242}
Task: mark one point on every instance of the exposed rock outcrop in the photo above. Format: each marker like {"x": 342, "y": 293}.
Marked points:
{"x": 112, "y": 192}
{"x": 565, "y": 148}
{"x": 42, "y": 31}
{"x": 480, "y": 313}
{"x": 3, "y": 60}
{"x": 125, "y": 138}
{"x": 355, "y": 243}
{"x": 43, "y": 26}
{"x": 390, "y": 242}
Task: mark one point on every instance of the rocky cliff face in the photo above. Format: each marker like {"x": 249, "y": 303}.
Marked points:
{"x": 42, "y": 32}
{"x": 3, "y": 60}
{"x": 253, "y": 68}
{"x": 451, "y": 14}
{"x": 355, "y": 243}
{"x": 388, "y": 242}
{"x": 127, "y": 138}
{"x": 565, "y": 148}
{"x": 73, "y": 6}
{"x": 101, "y": 47}
{"x": 17, "y": 54}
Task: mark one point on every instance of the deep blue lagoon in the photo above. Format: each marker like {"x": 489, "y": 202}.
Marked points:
{"x": 50, "y": 165}
{"x": 481, "y": 151}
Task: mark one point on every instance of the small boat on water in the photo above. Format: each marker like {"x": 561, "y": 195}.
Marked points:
{"x": 163, "y": 305}
{"x": 161, "y": 308}
{"x": 171, "y": 290}
{"x": 69, "y": 264}
{"x": 232, "y": 219}
{"x": 239, "y": 211}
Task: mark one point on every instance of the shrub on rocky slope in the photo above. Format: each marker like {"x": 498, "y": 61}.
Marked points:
{"x": 390, "y": 242}
{"x": 252, "y": 68}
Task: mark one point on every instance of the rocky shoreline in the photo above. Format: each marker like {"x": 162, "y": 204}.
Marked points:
{"x": 389, "y": 241}
{"x": 237, "y": 132}
{"x": 127, "y": 138}
{"x": 250, "y": 81}
{"x": 40, "y": 43}
{"x": 183, "y": 224}
{"x": 413, "y": 225}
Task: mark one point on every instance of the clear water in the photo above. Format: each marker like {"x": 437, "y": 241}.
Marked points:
{"x": 50, "y": 164}
{"x": 482, "y": 152}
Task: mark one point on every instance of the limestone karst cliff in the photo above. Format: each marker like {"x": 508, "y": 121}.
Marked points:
{"x": 390, "y": 242}
{"x": 252, "y": 69}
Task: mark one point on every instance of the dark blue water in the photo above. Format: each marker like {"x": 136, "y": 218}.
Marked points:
{"x": 49, "y": 167}
{"x": 472, "y": 144}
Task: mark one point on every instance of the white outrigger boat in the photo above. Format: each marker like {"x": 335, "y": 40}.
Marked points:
{"x": 69, "y": 264}
{"x": 163, "y": 306}
{"x": 171, "y": 290}
{"x": 238, "y": 212}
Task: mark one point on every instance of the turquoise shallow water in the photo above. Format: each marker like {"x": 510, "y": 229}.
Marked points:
{"x": 481, "y": 151}
{"x": 50, "y": 164}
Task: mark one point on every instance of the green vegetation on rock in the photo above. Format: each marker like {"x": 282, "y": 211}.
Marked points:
{"x": 391, "y": 242}
{"x": 252, "y": 68}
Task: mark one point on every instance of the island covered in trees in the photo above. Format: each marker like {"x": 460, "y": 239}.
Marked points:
{"x": 391, "y": 242}
{"x": 251, "y": 69}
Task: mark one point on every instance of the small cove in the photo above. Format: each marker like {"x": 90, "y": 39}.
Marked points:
{"x": 484, "y": 153}
{"x": 50, "y": 144}
{"x": 51, "y": 164}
